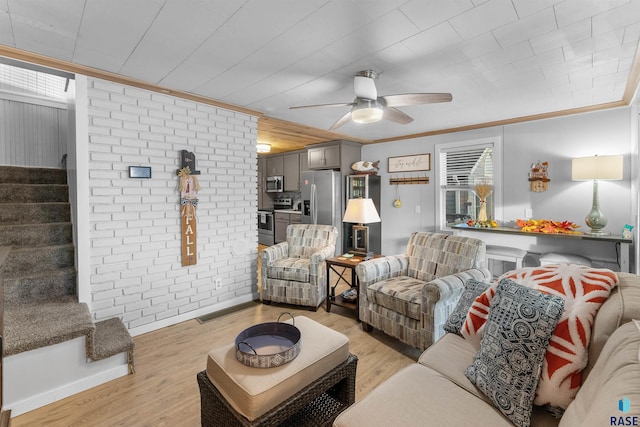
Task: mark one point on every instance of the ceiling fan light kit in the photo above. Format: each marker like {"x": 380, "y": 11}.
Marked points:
{"x": 367, "y": 111}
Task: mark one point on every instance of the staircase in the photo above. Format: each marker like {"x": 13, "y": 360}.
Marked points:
{"x": 41, "y": 303}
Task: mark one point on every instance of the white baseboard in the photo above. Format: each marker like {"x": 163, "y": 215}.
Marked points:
{"x": 192, "y": 314}
{"x": 38, "y": 377}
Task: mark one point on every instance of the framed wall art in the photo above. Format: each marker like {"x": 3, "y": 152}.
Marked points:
{"x": 414, "y": 163}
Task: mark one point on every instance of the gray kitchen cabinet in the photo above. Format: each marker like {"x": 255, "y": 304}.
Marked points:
{"x": 327, "y": 157}
{"x": 265, "y": 201}
{"x": 291, "y": 172}
{"x": 282, "y": 221}
{"x": 275, "y": 166}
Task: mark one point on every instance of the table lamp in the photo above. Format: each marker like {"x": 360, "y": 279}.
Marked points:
{"x": 596, "y": 168}
{"x": 360, "y": 212}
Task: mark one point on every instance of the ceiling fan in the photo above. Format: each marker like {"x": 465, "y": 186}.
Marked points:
{"x": 368, "y": 107}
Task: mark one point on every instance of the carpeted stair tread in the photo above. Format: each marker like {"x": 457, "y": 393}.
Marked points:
{"x": 29, "y": 326}
{"x": 33, "y": 213}
{"x": 33, "y": 193}
{"x": 55, "y": 233}
{"x": 30, "y": 175}
{"x": 111, "y": 337}
{"x": 38, "y": 259}
{"x": 40, "y": 286}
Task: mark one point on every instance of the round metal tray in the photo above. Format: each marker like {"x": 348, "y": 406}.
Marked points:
{"x": 267, "y": 345}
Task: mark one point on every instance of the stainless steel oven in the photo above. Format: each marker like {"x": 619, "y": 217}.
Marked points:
{"x": 265, "y": 227}
{"x": 274, "y": 184}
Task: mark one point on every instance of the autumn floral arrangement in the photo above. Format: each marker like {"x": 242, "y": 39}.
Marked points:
{"x": 547, "y": 226}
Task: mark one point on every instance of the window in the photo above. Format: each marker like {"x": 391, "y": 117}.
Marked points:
{"x": 462, "y": 166}
{"x": 32, "y": 82}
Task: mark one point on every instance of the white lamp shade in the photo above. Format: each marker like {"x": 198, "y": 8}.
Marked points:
{"x": 596, "y": 167}
{"x": 361, "y": 211}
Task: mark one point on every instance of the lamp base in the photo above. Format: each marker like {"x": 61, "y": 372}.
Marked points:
{"x": 595, "y": 219}
{"x": 360, "y": 241}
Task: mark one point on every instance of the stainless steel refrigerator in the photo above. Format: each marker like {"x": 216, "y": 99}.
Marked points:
{"x": 322, "y": 200}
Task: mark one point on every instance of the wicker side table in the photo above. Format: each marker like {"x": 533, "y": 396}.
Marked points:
{"x": 318, "y": 404}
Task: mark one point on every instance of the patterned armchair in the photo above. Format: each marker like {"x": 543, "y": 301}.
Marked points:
{"x": 410, "y": 296}
{"x": 294, "y": 271}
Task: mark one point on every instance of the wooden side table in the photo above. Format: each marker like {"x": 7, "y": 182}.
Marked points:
{"x": 335, "y": 264}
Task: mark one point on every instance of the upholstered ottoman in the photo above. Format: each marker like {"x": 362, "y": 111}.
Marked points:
{"x": 314, "y": 387}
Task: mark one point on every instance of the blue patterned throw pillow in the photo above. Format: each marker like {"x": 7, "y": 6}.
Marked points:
{"x": 472, "y": 289}
{"x": 508, "y": 365}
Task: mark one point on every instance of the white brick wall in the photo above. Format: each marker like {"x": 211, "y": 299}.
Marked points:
{"x": 136, "y": 271}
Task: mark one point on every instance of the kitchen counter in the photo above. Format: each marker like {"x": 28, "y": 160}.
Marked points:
{"x": 288, "y": 211}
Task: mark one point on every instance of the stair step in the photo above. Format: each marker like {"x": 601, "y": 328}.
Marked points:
{"x": 26, "y": 175}
{"x": 32, "y": 213}
{"x": 33, "y": 193}
{"x": 111, "y": 337}
{"x": 27, "y": 261}
{"x": 28, "y": 326}
{"x": 43, "y": 286}
{"x": 55, "y": 233}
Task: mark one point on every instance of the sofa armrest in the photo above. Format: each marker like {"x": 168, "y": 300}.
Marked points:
{"x": 440, "y": 296}
{"x": 273, "y": 253}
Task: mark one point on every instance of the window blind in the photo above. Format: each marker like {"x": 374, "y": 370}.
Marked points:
{"x": 461, "y": 168}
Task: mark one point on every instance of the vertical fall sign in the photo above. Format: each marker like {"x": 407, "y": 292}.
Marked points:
{"x": 188, "y": 187}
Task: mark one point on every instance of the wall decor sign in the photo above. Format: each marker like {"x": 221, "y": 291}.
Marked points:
{"x": 418, "y": 162}
{"x": 188, "y": 186}
{"x": 539, "y": 177}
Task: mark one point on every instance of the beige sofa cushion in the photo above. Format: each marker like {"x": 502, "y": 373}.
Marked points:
{"x": 451, "y": 355}
{"x": 622, "y": 305}
{"x": 615, "y": 375}
{"x": 418, "y": 396}
{"x": 254, "y": 391}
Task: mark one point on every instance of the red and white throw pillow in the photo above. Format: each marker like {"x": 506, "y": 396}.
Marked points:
{"x": 584, "y": 290}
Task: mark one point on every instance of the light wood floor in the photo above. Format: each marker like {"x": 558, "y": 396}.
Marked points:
{"x": 164, "y": 391}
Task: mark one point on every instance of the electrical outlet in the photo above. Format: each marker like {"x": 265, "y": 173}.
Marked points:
{"x": 218, "y": 283}
{"x": 528, "y": 213}
{"x": 417, "y": 208}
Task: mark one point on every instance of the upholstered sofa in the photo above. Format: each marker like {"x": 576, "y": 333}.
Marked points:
{"x": 410, "y": 296}
{"x": 435, "y": 391}
{"x": 293, "y": 271}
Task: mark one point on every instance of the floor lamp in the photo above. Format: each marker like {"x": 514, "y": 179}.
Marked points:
{"x": 596, "y": 168}
{"x": 360, "y": 212}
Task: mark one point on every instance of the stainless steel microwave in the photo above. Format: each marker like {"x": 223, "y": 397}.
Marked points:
{"x": 274, "y": 184}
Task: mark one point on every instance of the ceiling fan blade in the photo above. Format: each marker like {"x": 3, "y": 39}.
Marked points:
{"x": 338, "y": 104}
{"x": 365, "y": 87}
{"x": 415, "y": 99}
{"x": 396, "y": 115}
{"x": 341, "y": 121}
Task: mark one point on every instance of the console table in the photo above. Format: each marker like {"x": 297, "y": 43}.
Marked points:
{"x": 543, "y": 242}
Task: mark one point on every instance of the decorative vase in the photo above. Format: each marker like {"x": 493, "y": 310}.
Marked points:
{"x": 482, "y": 214}
{"x": 483, "y": 189}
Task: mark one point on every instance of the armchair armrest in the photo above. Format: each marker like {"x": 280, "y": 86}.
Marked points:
{"x": 318, "y": 257}
{"x": 440, "y": 296}
{"x": 377, "y": 269}
{"x": 273, "y": 253}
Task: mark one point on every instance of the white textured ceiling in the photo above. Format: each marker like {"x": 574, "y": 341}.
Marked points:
{"x": 500, "y": 59}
